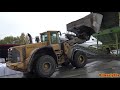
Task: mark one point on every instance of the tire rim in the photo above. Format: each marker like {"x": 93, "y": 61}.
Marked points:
{"x": 81, "y": 59}
{"x": 46, "y": 66}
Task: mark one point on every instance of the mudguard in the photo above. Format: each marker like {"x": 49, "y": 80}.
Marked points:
{"x": 35, "y": 51}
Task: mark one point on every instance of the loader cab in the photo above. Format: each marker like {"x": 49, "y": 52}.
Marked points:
{"x": 52, "y": 38}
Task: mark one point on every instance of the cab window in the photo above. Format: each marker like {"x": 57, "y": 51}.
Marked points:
{"x": 44, "y": 37}
{"x": 54, "y": 38}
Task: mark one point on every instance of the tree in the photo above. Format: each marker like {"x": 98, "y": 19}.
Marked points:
{"x": 22, "y": 38}
{"x": 17, "y": 40}
{"x": 7, "y": 40}
{"x": 13, "y": 40}
{"x": 2, "y": 42}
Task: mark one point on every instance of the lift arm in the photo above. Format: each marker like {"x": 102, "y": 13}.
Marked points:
{"x": 83, "y": 29}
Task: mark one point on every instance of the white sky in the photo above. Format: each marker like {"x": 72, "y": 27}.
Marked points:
{"x": 15, "y": 23}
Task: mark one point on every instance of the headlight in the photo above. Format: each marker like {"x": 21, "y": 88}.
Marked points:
{"x": 10, "y": 49}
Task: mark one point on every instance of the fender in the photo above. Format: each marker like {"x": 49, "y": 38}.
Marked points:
{"x": 37, "y": 50}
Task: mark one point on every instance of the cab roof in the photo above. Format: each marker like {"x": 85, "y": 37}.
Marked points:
{"x": 49, "y": 31}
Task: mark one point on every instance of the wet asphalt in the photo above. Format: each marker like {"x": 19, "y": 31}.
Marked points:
{"x": 92, "y": 70}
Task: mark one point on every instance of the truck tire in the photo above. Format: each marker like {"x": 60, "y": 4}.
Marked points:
{"x": 45, "y": 66}
{"x": 79, "y": 60}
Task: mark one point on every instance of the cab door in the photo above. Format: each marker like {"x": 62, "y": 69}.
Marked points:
{"x": 55, "y": 41}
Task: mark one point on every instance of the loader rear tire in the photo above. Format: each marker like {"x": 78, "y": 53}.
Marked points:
{"x": 79, "y": 60}
{"x": 45, "y": 66}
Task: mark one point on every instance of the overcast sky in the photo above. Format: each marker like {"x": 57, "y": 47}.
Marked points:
{"x": 15, "y": 23}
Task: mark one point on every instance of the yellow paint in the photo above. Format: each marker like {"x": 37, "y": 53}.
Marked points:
{"x": 29, "y": 49}
{"x": 56, "y": 46}
{"x": 16, "y": 66}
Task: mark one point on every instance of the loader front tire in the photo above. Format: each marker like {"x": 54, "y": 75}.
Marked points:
{"x": 45, "y": 66}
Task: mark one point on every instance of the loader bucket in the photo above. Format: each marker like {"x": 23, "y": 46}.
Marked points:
{"x": 89, "y": 24}
{"x": 110, "y": 20}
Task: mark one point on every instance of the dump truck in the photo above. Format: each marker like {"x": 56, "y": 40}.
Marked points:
{"x": 44, "y": 57}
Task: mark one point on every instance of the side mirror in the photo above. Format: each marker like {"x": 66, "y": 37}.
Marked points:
{"x": 37, "y": 39}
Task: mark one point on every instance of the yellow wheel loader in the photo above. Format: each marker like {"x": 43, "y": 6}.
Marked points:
{"x": 43, "y": 57}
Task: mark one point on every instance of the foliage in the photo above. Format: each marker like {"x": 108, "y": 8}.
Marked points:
{"x": 13, "y": 40}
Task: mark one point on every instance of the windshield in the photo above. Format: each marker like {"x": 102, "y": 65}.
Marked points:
{"x": 44, "y": 37}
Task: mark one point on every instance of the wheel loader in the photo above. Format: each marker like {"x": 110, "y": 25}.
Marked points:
{"x": 42, "y": 58}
